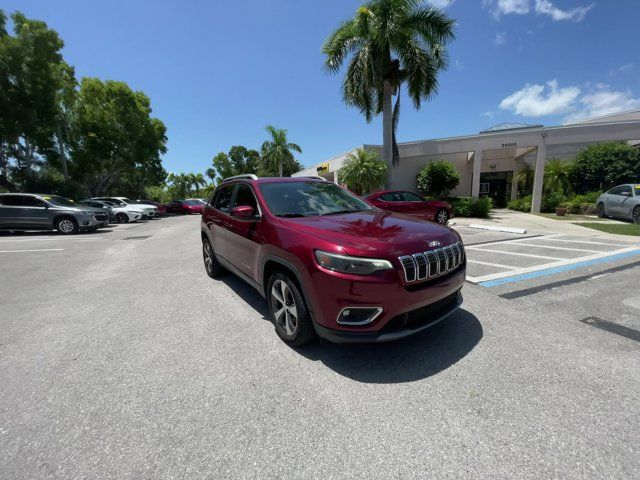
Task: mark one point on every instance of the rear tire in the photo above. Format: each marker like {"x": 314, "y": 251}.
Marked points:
{"x": 66, "y": 225}
{"x": 442, "y": 217}
{"x": 211, "y": 264}
{"x": 288, "y": 311}
{"x": 601, "y": 210}
{"x": 635, "y": 216}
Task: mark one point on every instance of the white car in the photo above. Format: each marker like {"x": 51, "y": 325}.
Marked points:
{"x": 117, "y": 213}
{"x": 147, "y": 211}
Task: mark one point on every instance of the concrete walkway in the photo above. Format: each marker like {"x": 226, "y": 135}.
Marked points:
{"x": 537, "y": 225}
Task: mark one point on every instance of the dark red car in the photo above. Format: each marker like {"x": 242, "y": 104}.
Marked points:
{"x": 187, "y": 207}
{"x": 412, "y": 204}
{"x": 330, "y": 264}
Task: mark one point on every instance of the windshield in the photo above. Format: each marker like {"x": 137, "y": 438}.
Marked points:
{"x": 60, "y": 201}
{"x": 127, "y": 200}
{"x": 192, "y": 202}
{"x": 304, "y": 199}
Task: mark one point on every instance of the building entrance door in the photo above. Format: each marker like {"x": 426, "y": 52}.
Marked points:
{"x": 497, "y": 186}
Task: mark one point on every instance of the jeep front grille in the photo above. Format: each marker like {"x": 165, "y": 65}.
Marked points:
{"x": 432, "y": 263}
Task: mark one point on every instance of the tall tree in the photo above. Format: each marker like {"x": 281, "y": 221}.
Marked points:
{"x": 363, "y": 171}
{"x": 390, "y": 42}
{"x": 115, "y": 136}
{"x": 33, "y": 80}
{"x": 278, "y": 151}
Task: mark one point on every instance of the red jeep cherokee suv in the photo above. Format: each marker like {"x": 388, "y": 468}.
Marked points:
{"x": 330, "y": 264}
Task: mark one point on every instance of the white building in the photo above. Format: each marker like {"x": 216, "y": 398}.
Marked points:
{"x": 489, "y": 161}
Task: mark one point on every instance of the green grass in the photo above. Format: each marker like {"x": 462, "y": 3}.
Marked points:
{"x": 618, "y": 229}
{"x": 570, "y": 217}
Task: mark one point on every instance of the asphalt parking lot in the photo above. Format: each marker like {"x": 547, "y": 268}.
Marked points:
{"x": 120, "y": 358}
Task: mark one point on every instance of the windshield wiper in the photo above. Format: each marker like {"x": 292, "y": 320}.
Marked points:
{"x": 340, "y": 211}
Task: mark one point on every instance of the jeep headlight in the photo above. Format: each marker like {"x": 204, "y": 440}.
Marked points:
{"x": 352, "y": 265}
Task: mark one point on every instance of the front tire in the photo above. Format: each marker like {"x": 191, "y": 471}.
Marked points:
{"x": 602, "y": 213}
{"x": 211, "y": 264}
{"x": 66, "y": 225}
{"x": 635, "y": 216}
{"x": 442, "y": 216}
{"x": 122, "y": 218}
{"x": 288, "y": 310}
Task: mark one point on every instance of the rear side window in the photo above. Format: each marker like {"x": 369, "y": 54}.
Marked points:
{"x": 411, "y": 197}
{"x": 32, "y": 202}
{"x": 245, "y": 197}
{"x": 13, "y": 201}
{"x": 223, "y": 199}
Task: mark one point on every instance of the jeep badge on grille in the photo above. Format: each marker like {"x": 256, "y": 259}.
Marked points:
{"x": 433, "y": 243}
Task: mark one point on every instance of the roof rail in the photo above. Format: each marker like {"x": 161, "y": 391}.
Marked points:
{"x": 315, "y": 177}
{"x": 249, "y": 176}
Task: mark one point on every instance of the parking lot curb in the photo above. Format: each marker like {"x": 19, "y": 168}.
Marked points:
{"x": 499, "y": 229}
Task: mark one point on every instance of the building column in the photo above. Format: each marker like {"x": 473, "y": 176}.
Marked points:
{"x": 538, "y": 178}
{"x": 514, "y": 184}
{"x": 475, "y": 182}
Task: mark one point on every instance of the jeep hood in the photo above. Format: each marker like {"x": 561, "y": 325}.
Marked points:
{"x": 375, "y": 232}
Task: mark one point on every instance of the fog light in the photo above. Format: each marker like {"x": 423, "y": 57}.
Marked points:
{"x": 358, "y": 315}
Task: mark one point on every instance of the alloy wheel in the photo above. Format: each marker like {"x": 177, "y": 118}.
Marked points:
{"x": 443, "y": 217}
{"x": 208, "y": 257}
{"x": 601, "y": 211}
{"x": 636, "y": 215}
{"x": 66, "y": 226}
{"x": 284, "y": 307}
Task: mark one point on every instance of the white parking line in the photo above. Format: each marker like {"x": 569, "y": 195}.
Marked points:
{"x": 557, "y": 248}
{"x": 498, "y": 265}
{"x": 41, "y": 250}
{"x": 44, "y": 239}
{"x": 587, "y": 242}
{"x": 513, "y": 253}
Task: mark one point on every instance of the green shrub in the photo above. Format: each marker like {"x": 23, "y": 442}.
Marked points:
{"x": 471, "y": 207}
{"x": 522, "y": 204}
{"x": 438, "y": 178}
{"x": 552, "y": 201}
{"x": 582, "y": 204}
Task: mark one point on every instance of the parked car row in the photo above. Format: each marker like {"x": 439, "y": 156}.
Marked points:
{"x": 29, "y": 211}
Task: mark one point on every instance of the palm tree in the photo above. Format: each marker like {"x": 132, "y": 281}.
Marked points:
{"x": 277, "y": 151}
{"x": 391, "y": 42}
{"x": 363, "y": 171}
{"x": 556, "y": 176}
{"x": 525, "y": 180}
{"x": 197, "y": 180}
{"x": 211, "y": 173}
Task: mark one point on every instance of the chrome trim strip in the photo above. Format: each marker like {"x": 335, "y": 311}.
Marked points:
{"x": 406, "y": 277}
{"x": 364, "y": 322}
{"x": 415, "y": 261}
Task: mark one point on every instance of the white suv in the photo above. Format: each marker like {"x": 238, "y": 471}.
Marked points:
{"x": 147, "y": 211}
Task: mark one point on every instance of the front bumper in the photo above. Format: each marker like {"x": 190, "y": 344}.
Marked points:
{"x": 330, "y": 294}
{"x": 342, "y": 336}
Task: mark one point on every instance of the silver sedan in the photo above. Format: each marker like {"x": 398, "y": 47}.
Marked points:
{"x": 622, "y": 201}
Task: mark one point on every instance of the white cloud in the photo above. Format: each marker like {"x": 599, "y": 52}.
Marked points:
{"x": 575, "y": 14}
{"x": 505, "y": 7}
{"x": 603, "y": 101}
{"x": 541, "y": 100}
{"x": 440, "y": 3}
{"x": 501, "y": 38}
{"x": 538, "y": 100}
{"x": 488, "y": 113}
{"x": 541, "y": 7}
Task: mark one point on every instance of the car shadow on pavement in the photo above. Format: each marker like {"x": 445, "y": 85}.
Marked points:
{"x": 414, "y": 358}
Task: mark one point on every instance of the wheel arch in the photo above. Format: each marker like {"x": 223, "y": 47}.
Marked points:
{"x": 272, "y": 264}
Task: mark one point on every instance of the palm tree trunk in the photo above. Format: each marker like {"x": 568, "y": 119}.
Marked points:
{"x": 63, "y": 158}
{"x": 280, "y": 168}
{"x": 387, "y": 128}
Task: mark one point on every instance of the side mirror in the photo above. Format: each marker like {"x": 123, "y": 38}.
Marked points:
{"x": 243, "y": 211}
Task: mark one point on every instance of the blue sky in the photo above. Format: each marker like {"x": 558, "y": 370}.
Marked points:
{"x": 218, "y": 72}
